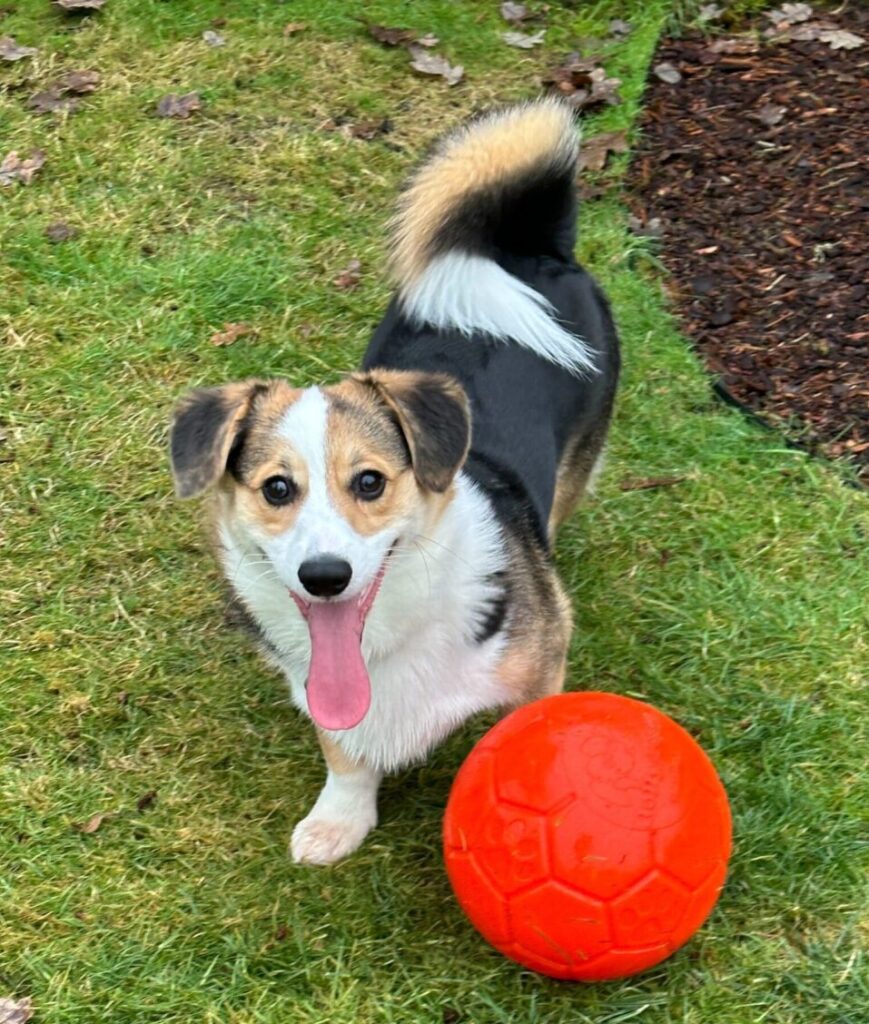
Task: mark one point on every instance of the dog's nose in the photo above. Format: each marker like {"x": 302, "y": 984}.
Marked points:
{"x": 326, "y": 576}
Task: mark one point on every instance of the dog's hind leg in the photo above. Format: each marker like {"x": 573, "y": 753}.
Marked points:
{"x": 345, "y": 811}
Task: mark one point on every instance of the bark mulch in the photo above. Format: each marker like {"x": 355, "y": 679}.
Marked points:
{"x": 757, "y": 164}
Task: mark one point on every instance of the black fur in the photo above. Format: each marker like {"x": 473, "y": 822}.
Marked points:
{"x": 525, "y": 411}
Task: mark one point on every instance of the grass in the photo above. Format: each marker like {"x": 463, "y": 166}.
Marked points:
{"x": 735, "y": 600}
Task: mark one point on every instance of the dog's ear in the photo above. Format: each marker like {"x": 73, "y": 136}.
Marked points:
{"x": 434, "y": 415}
{"x": 205, "y": 426}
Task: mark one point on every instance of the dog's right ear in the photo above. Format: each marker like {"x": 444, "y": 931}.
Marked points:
{"x": 205, "y": 426}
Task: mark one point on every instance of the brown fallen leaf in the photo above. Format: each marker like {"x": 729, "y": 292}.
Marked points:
{"x": 391, "y": 36}
{"x": 292, "y": 27}
{"x": 522, "y": 40}
{"x": 770, "y": 114}
{"x": 51, "y": 101}
{"x": 583, "y": 83}
{"x": 146, "y": 799}
{"x": 515, "y": 13}
{"x": 230, "y": 333}
{"x": 91, "y": 825}
{"x": 10, "y": 50}
{"x": 839, "y": 39}
{"x": 15, "y": 1011}
{"x": 667, "y": 73}
{"x": 13, "y": 168}
{"x": 433, "y": 64}
{"x": 365, "y": 130}
{"x": 78, "y": 81}
{"x": 594, "y": 152}
{"x": 349, "y": 277}
{"x": 650, "y": 482}
{"x": 80, "y": 5}
{"x": 56, "y": 97}
{"x": 59, "y": 231}
{"x": 791, "y": 13}
{"x": 174, "y": 105}
{"x": 651, "y": 228}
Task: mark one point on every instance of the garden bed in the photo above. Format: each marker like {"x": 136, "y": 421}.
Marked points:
{"x": 756, "y": 163}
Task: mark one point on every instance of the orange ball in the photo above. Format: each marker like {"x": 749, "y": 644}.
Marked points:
{"x": 587, "y": 836}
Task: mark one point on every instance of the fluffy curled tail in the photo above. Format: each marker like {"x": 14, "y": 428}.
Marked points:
{"x": 500, "y": 188}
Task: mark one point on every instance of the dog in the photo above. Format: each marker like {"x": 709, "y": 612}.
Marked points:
{"x": 389, "y": 537}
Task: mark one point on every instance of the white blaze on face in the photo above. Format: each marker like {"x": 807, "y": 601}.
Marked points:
{"x": 319, "y": 529}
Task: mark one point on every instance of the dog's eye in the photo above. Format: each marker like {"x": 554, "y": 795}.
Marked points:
{"x": 369, "y": 484}
{"x": 279, "y": 490}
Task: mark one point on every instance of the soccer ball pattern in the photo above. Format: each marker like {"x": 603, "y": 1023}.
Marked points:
{"x": 587, "y": 836}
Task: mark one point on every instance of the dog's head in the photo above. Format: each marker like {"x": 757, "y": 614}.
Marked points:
{"x": 324, "y": 483}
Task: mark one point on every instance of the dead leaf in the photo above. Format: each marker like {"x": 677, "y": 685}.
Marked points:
{"x": 649, "y": 482}
{"x": 14, "y": 168}
{"x": 594, "y": 152}
{"x": 91, "y": 825}
{"x": 791, "y": 13}
{"x": 620, "y": 28}
{"x": 213, "y": 38}
{"x": 651, "y": 228}
{"x": 60, "y": 232}
{"x": 523, "y": 41}
{"x": 146, "y": 799}
{"x": 667, "y": 73}
{"x": 433, "y": 64}
{"x": 55, "y": 97}
{"x": 709, "y": 12}
{"x": 427, "y": 40}
{"x": 366, "y": 130}
{"x": 174, "y": 105}
{"x": 770, "y": 114}
{"x": 10, "y": 50}
{"x": 52, "y": 101}
{"x": 515, "y": 13}
{"x": 839, "y": 39}
{"x": 15, "y": 1011}
{"x": 582, "y": 83}
{"x": 78, "y": 81}
{"x": 230, "y": 333}
{"x": 80, "y": 5}
{"x": 391, "y": 36}
{"x": 292, "y": 27}
{"x": 349, "y": 277}
{"x": 734, "y": 45}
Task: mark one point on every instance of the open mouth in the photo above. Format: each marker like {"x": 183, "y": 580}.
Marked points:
{"x": 338, "y": 689}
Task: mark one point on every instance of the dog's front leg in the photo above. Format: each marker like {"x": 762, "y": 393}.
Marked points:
{"x": 345, "y": 811}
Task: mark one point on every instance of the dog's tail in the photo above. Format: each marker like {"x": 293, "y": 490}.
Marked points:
{"x": 497, "y": 190}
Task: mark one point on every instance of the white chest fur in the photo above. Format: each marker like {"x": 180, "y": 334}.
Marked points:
{"x": 427, "y": 672}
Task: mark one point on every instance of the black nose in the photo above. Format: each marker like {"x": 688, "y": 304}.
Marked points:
{"x": 325, "y": 577}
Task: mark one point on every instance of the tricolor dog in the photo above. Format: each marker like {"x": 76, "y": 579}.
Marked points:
{"x": 389, "y": 537}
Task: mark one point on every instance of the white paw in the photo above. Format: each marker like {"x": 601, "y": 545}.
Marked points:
{"x": 317, "y": 840}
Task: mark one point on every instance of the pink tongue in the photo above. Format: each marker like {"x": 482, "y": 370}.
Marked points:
{"x": 339, "y": 691}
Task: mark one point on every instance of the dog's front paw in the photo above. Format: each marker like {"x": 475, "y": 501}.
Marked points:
{"x": 317, "y": 840}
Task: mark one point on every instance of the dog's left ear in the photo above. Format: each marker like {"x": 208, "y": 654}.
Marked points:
{"x": 434, "y": 415}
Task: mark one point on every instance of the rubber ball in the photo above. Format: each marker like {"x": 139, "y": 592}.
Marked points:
{"x": 587, "y": 836}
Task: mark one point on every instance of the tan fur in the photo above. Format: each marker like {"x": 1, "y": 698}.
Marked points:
{"x": 534, "y": 661}
{"x": 574, "y": 470}
{"x": 336, "y": 759}
{"x": 360, "y": 437}
{"x": 501, "y": 146}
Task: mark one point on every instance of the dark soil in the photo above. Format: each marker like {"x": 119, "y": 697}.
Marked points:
{"x": 757, "y": 164}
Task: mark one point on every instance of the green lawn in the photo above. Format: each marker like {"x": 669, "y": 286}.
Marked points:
{"x": 735, "y": 600}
